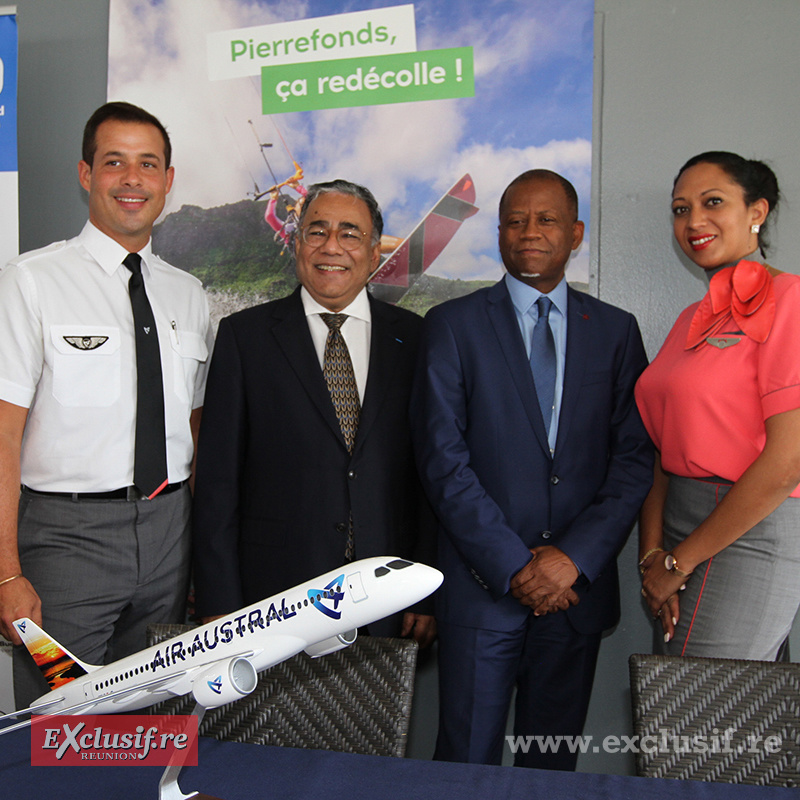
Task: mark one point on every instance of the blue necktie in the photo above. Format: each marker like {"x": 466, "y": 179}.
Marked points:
{"x": 543, "y": 360}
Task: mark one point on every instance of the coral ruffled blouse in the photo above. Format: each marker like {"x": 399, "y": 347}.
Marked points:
{"x": 730, "y": 362}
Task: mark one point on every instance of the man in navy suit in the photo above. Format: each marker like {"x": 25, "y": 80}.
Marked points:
{"x": 533, "y": 503}
{"x": 284, "y": 491}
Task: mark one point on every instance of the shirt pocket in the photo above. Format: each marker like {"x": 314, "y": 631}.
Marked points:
{"x": 86, "y": 365}
{"x": 189, "y": 350}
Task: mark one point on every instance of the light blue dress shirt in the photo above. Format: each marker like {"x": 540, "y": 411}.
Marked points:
{"x": 524, "y": 298}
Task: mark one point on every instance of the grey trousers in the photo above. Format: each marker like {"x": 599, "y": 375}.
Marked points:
{"x": 740, "y": 603}
{"x": 104, "y": 570}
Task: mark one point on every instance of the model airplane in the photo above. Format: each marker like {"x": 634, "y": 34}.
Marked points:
{"x": 217, "y": 662}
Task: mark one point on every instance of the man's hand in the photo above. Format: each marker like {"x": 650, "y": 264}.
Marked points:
{"x": 18, "y": 599}
{"x": 549, "y": 605}
{"x": 421, "y": 628}
{"x": 545, "y": 582}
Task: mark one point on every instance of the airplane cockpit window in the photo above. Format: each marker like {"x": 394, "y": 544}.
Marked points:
{"x": 381, "y": 571}
{"x": 399, "y": 564}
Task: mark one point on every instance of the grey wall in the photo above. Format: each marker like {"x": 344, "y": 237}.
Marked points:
{"x": 63, "y": 52}
{"x": 674, "y": 78}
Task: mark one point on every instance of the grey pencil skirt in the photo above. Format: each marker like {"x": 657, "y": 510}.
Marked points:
{"x": 741, "y": 603}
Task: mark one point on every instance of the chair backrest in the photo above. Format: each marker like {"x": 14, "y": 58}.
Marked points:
{"x": 356, "y": 700}
{"x": 716, "y": 719}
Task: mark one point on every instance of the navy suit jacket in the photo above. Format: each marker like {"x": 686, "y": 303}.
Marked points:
{"x": 486, "y": 465}
{"x": 275, "y": 483}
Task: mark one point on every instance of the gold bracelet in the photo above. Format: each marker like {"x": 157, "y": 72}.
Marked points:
{"x": 647, "y": 555}
{"x": 12, "y": 578}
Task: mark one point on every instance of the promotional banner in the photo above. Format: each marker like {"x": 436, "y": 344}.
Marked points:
{"x": 435, "y": 107}
{"x": 9, "y": 223}
{"x": 9, "y": 219}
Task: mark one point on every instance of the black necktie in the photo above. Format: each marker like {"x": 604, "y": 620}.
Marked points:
{"x": 543, "y": 361}
{"x": 150, "y": 457}
{"x": 337, "y": 369}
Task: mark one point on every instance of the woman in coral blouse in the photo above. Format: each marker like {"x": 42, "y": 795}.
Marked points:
{"x": 720, "y": 529}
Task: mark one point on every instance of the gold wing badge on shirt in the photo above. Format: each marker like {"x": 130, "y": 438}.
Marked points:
{"x": 85, "y": 342}
{"x": 721, "y": 342}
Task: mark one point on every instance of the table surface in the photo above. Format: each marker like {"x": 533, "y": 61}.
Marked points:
{"x": 243, "y": 771}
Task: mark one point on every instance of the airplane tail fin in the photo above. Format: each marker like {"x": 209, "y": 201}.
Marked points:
{"x": 57, "y": 664}
{"x": 392, "y": 279}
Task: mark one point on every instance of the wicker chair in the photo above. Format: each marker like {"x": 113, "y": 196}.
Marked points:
{"x": 710, "y": 719}
{"x": 356, "y": 700}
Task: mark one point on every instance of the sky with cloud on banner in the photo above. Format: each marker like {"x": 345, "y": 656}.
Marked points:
{"x": 532, "y": 108}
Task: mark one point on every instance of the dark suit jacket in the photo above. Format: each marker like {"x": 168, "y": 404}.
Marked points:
{"x": 275, "y": 483}
{"x": 486, "y": 465}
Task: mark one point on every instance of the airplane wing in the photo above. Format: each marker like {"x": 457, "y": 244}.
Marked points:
{"x": 56, "y": 704}
{"x": 420, "y": 249}
{"x": 47, "y": 707}
{"x": 175, "y": 684}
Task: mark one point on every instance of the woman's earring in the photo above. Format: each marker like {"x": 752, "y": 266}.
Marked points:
{"x": 755, "y": 228}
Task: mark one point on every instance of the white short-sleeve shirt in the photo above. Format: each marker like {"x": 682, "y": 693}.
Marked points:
{"x": 68, "y": 354}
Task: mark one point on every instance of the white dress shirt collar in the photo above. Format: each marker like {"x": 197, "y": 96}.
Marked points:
{"x": 107, "y": 252}
{"x": 359, "y": 308}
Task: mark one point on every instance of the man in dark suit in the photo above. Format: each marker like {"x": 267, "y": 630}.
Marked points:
{"x": 304, "y": 457}
{"x": 535, "y": 460}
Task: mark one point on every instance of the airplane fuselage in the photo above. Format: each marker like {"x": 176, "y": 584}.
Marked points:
{"x": 319, "y": 616}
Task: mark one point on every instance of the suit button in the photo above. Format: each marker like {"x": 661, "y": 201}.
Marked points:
{"x": 546, "y": 534}
{"x": 341, "y": 527}
{"x": 555, "y": 479}
{"x": 351, "y": 474}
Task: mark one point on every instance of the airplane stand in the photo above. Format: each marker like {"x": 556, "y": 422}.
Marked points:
{"x": 168, "y": 788}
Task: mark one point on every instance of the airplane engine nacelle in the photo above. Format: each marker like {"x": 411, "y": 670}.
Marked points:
{"x": 333, "y": 644}
{"x": 224, "y": 682}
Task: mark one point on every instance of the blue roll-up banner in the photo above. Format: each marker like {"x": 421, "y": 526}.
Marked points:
{"x": 9, "y": 222}
{"x": 9, "y": 218}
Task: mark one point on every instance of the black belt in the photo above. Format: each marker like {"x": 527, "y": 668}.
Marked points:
{"x": 127, "y": 493}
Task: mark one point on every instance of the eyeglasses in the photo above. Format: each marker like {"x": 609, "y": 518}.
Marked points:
{"x": 348, "y": 238}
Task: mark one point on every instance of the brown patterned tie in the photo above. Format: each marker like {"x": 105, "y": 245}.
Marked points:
{"x": 337, "y": 369}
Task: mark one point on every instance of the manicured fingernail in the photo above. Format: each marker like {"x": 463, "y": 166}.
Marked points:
{"x": 674, "y": 621}
{"x": 667, "y": 637}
